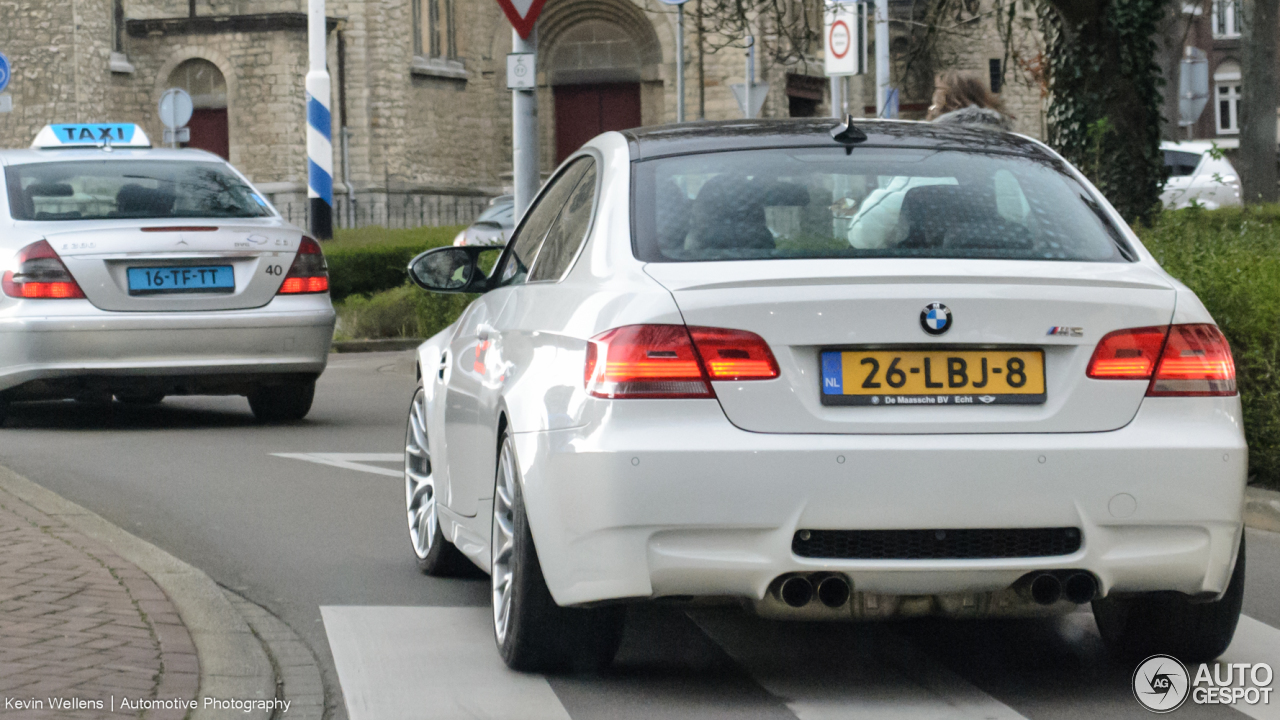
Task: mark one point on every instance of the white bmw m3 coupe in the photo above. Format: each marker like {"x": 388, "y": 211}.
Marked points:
{"x": 138, "y": 273}
{"x": 848, "y": 372}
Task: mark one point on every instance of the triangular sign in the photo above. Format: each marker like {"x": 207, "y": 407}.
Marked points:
{"x": 758, "y": 93}
{"x": 522, "y": 14}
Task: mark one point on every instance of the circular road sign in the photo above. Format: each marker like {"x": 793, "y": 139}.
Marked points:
{"x": 175, "y": 108}
{"x": 838, "y": 39}
{"x": 4, "y": 72}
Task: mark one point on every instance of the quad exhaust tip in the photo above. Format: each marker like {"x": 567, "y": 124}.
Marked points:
{"x": 1046, "y": 589}
{"x": 797, "y": 591}
{"x": 833, "y": 591}
{"x": 1080, "y": 588}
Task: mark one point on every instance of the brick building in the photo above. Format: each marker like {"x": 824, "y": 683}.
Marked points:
{"x": 421, "y": 114}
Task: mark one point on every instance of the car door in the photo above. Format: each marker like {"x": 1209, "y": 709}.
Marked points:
{"x": 476, "y": 363}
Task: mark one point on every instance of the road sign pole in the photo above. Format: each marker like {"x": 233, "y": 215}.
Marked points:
{"x": 882, "y": 55}
{"x": 751, "y": 76}
{"x": 524, "y": 130}
{"x": 680, "y": 63}
{"x": 319, "y": 127}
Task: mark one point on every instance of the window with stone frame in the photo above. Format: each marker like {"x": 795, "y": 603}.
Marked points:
{"x": 435, "y": 29}
{"x": 1226, "y": 18}
{"x": 1227, "y": 91}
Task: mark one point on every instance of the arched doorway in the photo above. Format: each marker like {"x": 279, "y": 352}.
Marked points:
{"x": 208, "y": 89}
{"x": 595, "y": 71}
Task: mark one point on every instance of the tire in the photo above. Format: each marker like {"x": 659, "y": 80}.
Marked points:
{"x": 434, "y": 554}
{"x": 282, "y": 403}
{"x": 533, "y": 633}
{"x": 1171, "y": 623}
{"x": 141, "y": 399}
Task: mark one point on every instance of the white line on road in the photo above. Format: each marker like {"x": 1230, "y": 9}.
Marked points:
{"x": 351, "y": 461}
{"x": 429, "y": 662}
{"x": 1255, "y": 642}
{"x": 878, "y": 674}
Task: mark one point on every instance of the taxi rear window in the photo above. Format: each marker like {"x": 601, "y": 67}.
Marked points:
{"x": 871, "y": 202}
{"x": 108, "y": 189}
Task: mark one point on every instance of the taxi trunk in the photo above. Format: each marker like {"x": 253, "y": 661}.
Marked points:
{"x": 1004, "y": 317}
{"x": 193, "y": 265}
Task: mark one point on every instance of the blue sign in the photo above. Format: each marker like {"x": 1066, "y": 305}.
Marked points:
{"x": 4, "y": 72}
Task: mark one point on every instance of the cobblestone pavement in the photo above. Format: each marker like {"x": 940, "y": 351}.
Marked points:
{"x": 81, "y": 630}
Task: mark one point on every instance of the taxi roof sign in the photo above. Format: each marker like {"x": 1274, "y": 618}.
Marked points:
{"x": 73, "y": 135}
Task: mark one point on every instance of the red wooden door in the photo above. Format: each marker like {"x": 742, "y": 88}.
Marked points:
{"x": 209, "y": 131}
{"x": 585, "y": 111}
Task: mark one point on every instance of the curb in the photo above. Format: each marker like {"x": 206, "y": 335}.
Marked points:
{"x": 233, "y": 664}
{"x": 1262, "y": 509}
{"x": 386, "y": 345}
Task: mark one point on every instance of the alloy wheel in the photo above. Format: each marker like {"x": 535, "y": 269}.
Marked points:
{"x": 502, "y": 542}
{"x": 419, "y": 482}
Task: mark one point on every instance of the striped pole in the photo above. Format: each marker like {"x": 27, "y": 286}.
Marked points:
{"x": 319, "y": 123}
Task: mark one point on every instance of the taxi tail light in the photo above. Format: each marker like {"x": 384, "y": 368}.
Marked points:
{"x": 673, "y": 361}
{"x": 1177, "y": 359}
{"x": 309, "y": 272}
{"x": 1196, "y": 361}
{"x": 40, "y": 274}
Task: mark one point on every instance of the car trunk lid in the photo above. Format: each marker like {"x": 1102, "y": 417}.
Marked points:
{"x": 802, "y": 307}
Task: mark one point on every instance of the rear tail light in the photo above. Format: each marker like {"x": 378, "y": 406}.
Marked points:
{"x": 1127, "y": 354}
{"x": 1178, "y": 360}
{"x": 734, "y": 354}
{"x": 673, "y": 361}
{"x": 1196, "y": 361}
{"x": 40, "y": 274}
{"x": 309, "y": 273}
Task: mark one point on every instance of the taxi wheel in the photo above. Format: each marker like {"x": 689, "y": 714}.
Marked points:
{"x": 282, "y": 403}
{"x": 533, "y": 633}
{"x": 1172, "y": 623}
{"x": 140, "y": 398}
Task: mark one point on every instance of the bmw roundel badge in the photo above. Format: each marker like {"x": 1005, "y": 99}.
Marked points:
{"x": 935, "y": 318}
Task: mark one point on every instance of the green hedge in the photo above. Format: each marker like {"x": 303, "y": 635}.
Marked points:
{"x": 1231, "y": 259}
{"x": 365, "y": 261}
{"x": 404, "y": 312}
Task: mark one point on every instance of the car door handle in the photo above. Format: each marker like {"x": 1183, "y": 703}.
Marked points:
{"x": 444, "y": 364}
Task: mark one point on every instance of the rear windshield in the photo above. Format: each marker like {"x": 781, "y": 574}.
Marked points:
{"x": 101, "y": 189}
{"x": 872, "y": 202}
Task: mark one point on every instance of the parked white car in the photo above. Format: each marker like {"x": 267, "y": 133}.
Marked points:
{"x": 140, "y": 273}
{"x": 1196, "y": 176}
{"x": 685, "y": 381}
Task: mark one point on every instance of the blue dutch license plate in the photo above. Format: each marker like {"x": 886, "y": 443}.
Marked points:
{"x": 183, "y": 279}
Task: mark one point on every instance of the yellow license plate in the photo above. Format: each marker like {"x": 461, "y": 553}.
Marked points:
{"x": 932, "y": 377}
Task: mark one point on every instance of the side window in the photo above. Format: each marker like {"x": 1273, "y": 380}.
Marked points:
{"x": 524, "y": 246}
{"x": 568, "y": 232}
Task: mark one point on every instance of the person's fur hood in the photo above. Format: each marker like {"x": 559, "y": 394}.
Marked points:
{"x": 977, "y": 116}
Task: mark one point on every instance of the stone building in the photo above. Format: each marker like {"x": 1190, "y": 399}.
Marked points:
{"x": 421, "y": 113}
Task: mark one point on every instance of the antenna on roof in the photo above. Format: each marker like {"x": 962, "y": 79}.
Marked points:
{"x": 848, "y": 134}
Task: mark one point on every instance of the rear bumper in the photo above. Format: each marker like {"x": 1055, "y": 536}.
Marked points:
{"x": 70, "y": 339}
{"x": 668, "y": 498}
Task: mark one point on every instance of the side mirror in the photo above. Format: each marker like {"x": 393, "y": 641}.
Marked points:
{"x": 450, "y": 270}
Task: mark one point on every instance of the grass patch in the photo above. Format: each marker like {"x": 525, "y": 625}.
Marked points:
{"x": 366, "y": 261}
{"x": 1231, "y": 259}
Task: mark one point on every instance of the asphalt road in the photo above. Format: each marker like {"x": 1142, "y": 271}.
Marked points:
{"x": 308, "y": 521}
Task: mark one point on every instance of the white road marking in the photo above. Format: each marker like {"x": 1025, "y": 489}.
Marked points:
{"x": 429, "y": 662}
{"x": 878, "y": 674}
{"x": 1255, "y": 642}
{"x": 351, "y": 461}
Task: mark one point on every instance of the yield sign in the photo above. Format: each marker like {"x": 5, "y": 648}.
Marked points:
{"x": 522, "y": 14}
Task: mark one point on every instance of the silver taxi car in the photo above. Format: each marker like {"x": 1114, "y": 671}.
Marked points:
{"x": 140, "y": 273}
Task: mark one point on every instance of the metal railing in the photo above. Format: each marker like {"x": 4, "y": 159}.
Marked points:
{"x": 405, "y": 211}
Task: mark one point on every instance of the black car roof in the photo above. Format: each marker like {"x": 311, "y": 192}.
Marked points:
{"x": 705, "y": 136}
